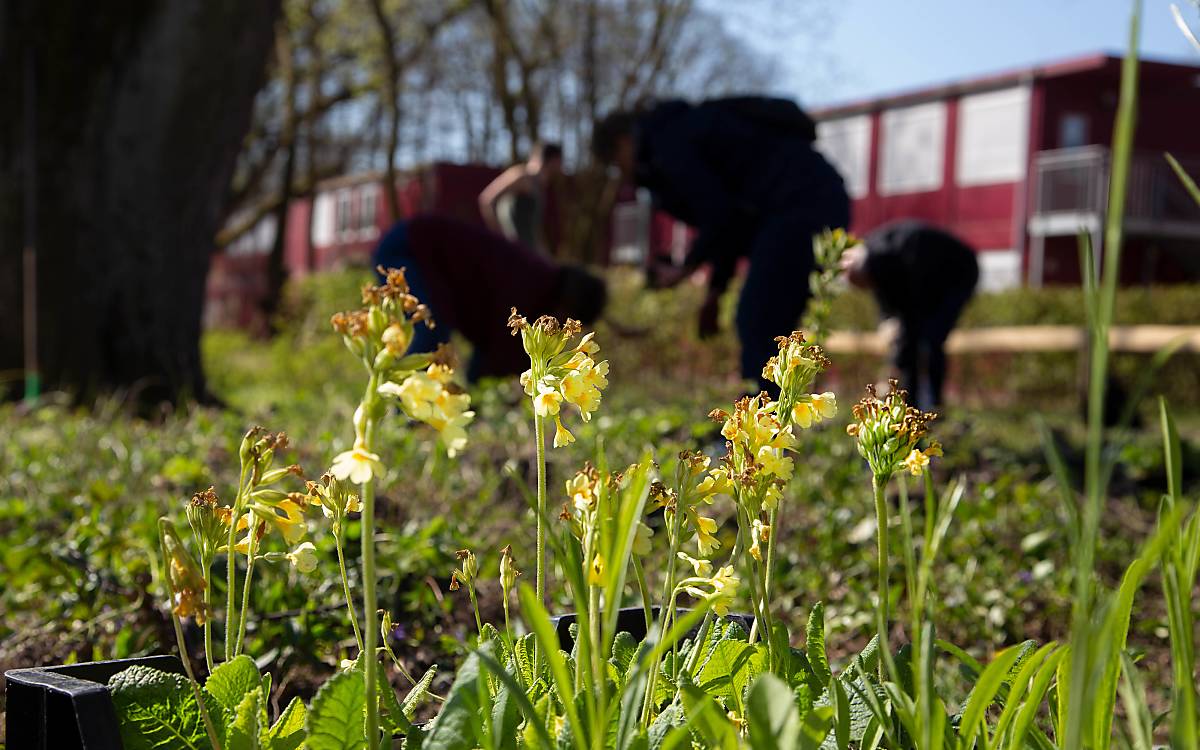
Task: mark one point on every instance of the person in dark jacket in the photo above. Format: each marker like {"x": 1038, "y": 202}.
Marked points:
{"x": 923, "y": 276}
{"x": 744, "y": 173}
{"x": 470, "y": 278}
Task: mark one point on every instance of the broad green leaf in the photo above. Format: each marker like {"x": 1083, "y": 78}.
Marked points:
{"x": 505, "y": 717}
{"x": 727, "y": 661}
{"x": 706, "y": 719}
{"x": 232, "y": 681}
{"x": 288, "y": 731}
{"x": 814, "y": 728}
{"x": 772, "y": 715}
{"x": 244, "y": 729}
{"x": 841, "y": 705}
{"x": 457, "y": 726}
{"x": 157, "y": 710}
{"x": 814, "y": 644}
{"x": 335, "y": 719}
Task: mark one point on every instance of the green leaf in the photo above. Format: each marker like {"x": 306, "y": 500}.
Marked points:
{"x": 157, "y": 710}
{"x": 514, "y": 698}
{"x": 539, "y": 622}
{"x": 288, "y": 731}
{"x": 457, "y": 726}
{"x": 335, "y": 720}
{"x": 814, "y": 644}
{"x": 706, "y": 719}
{"x": 772, "y": 715}
{"x": 984, "y": 692}
{"x": 727, "y": 661}
{"x": 232, "y": 681}
{"x": 243, "y": 730}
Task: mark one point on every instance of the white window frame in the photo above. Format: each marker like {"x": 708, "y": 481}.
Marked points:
{"x": 993, "y": 137}
{"x": 343, "y": 215}
{"x": 846, "y": 143}
{"x": 908, "y": 170}
{"x": 368, "y": 210}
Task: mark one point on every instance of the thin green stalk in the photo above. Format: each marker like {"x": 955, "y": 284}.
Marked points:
{"x": 337, "y": 543}
{"x": 1081, "y": 687}
{"x": 206, "y": 566}
{"x": 644, "y": 590}
{"x": 881, "y": 609}
{"x": 475, "y": 608}
{"x": 540, "y": 437}
{"x": 773, "y": 520}
{"x": 251, "y": 548}
{"x": 187, "y": 667}
{"x": 231, "y": 580}
{"x": 370, "y": 607}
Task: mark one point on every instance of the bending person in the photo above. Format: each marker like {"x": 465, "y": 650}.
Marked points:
{"x": 923, "y": 276}
{"x": 470, "y": 278}
{"x": 744, "y": 173}
{"x": 514, "y": 204}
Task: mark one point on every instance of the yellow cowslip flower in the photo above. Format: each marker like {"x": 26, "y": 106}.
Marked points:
{"x": 304, "y": 557}
{"x": 581, "y": 488}
{"x": 596, "y": 571}
{"x": 184, "y": 577}
{"x": 587, "y": 344}
{"x": 716, "y": 483}
{"x": 730, "y": 429}
{"x": 547, "y": 402}
{"x": 562, "y": 436}
{"x": 774, "y": 462}
{"x": 357, "y": 465}
{"x": 706, "y": 529}
{"x": 772, "y": 495}
{"x": 703, "y": 568}
{"x": 759, "y": 533}
{"x": 396, "y": 338}
{"x": 597, "y": 375}
{"x": 916, "y": 462}
{"x": 825, "y": 404}
{"x": 286, "y": 516}
{"x": 527, "y": 382}
{"x": 719, "y": 590}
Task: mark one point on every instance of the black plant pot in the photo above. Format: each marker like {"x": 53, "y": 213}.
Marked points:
{"x": 631, "y": 620}
{"x": 69, "y": 707}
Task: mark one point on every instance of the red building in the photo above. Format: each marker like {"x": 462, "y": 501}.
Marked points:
{"x": 1017, "y": 165}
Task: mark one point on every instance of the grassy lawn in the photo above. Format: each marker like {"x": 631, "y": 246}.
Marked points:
{"x": 80, "y": 492}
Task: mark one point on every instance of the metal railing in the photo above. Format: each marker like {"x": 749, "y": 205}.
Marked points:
{"x": 1075, "y": 181}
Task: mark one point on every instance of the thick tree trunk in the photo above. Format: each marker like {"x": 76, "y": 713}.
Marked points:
{"x": 141, "y": 108}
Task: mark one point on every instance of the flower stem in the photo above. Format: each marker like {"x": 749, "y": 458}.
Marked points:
{"x": 187, "y": 667}
{"x": 370, "y": 613}
{"x": 475, "y": 609}
{"x": 250, "y": 550}
{"x": 540, "y": 437}
{"x": 230, "y": 584}
{"x": 208, "y": 643}
{"x": 337, "y": 543}
{"x": 881, "y": 609}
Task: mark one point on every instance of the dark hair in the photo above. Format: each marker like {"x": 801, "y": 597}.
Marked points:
{"x": 608, "y": 132}
{"x": 581, "y": 295}
{"x": 546, "y": 151}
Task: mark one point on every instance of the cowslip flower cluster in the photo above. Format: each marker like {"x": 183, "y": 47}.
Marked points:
{"x": 379, "y": 334}
{"x": 756, "y": 465}
{"x": 888, "y": 432}
{"x": 793, "y": 369}
{"x": 559, "y": 373}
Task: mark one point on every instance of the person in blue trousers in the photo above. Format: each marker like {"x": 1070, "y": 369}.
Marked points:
{"x": 744, "y": 173}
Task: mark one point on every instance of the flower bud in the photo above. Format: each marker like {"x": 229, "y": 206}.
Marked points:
{"x": 508, "y": 570}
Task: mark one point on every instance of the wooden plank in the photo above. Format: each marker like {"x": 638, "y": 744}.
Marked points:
{"x": 1141, "y": 339}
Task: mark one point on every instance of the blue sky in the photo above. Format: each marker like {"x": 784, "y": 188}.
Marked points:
{"x": 884, "y": 46}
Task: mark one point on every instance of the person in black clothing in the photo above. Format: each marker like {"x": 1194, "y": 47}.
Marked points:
{"x": 923, "y": 276}
{"x": 744, "y": 173}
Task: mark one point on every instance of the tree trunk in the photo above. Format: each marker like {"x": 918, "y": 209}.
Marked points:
{"x": 391, "y": 94}
{"x": 276, "y": 266}
{"x": 141, "y": 107}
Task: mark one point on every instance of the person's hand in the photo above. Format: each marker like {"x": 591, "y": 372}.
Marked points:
{"x": 854, "y": 265}
{"x": 667, "y": 275}
{"x": 709, "y": 312}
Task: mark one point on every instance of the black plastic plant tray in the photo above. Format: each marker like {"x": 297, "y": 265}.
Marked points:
{"x": 631, "y": 620}
{"x": 68, "y": 707}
